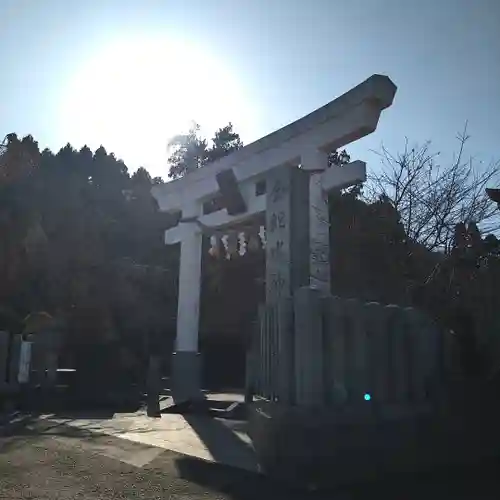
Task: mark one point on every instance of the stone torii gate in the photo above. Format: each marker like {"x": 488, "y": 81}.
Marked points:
{"x": 293, "y": 164}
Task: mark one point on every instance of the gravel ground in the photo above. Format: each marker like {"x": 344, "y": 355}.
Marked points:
{"x": 56, "y": 462}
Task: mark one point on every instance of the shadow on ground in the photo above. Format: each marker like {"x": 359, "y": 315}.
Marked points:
{"x": 237, "y": 484}
{"x": 222, "y": 442}
{"x": 64, "y": 402}
{"x": 32, "y": 426}
{"x": 479, "y": 481}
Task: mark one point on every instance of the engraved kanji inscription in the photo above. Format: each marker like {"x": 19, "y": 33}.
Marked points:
{"x": 277, "y": 250}
{"x": 277, "y": 221}
{"x": 278, "y": 190}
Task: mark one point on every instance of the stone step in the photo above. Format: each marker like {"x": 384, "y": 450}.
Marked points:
{"x": 235, "y": 410}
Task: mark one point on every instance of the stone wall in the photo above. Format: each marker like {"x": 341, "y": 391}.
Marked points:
{"x": 325, "y": 448}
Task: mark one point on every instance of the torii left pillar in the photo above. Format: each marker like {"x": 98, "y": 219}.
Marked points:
{"x": 186, "y": 362}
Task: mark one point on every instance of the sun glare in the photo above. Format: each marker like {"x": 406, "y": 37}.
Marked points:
{"x": 133, "y": 95}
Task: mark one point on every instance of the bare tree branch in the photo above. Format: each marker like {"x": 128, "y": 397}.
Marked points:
{"x": 431, "y": 198}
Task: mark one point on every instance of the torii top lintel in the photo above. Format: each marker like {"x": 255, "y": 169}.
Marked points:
{"x": 350, "y": 117}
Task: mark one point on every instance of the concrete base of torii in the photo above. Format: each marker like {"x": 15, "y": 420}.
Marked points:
{"x": 186, "y": 376}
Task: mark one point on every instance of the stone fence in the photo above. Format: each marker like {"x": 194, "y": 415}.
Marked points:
{"x": 329, "y": 351}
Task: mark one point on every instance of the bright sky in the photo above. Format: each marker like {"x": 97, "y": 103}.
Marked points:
{"x": 130, "y": 74}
